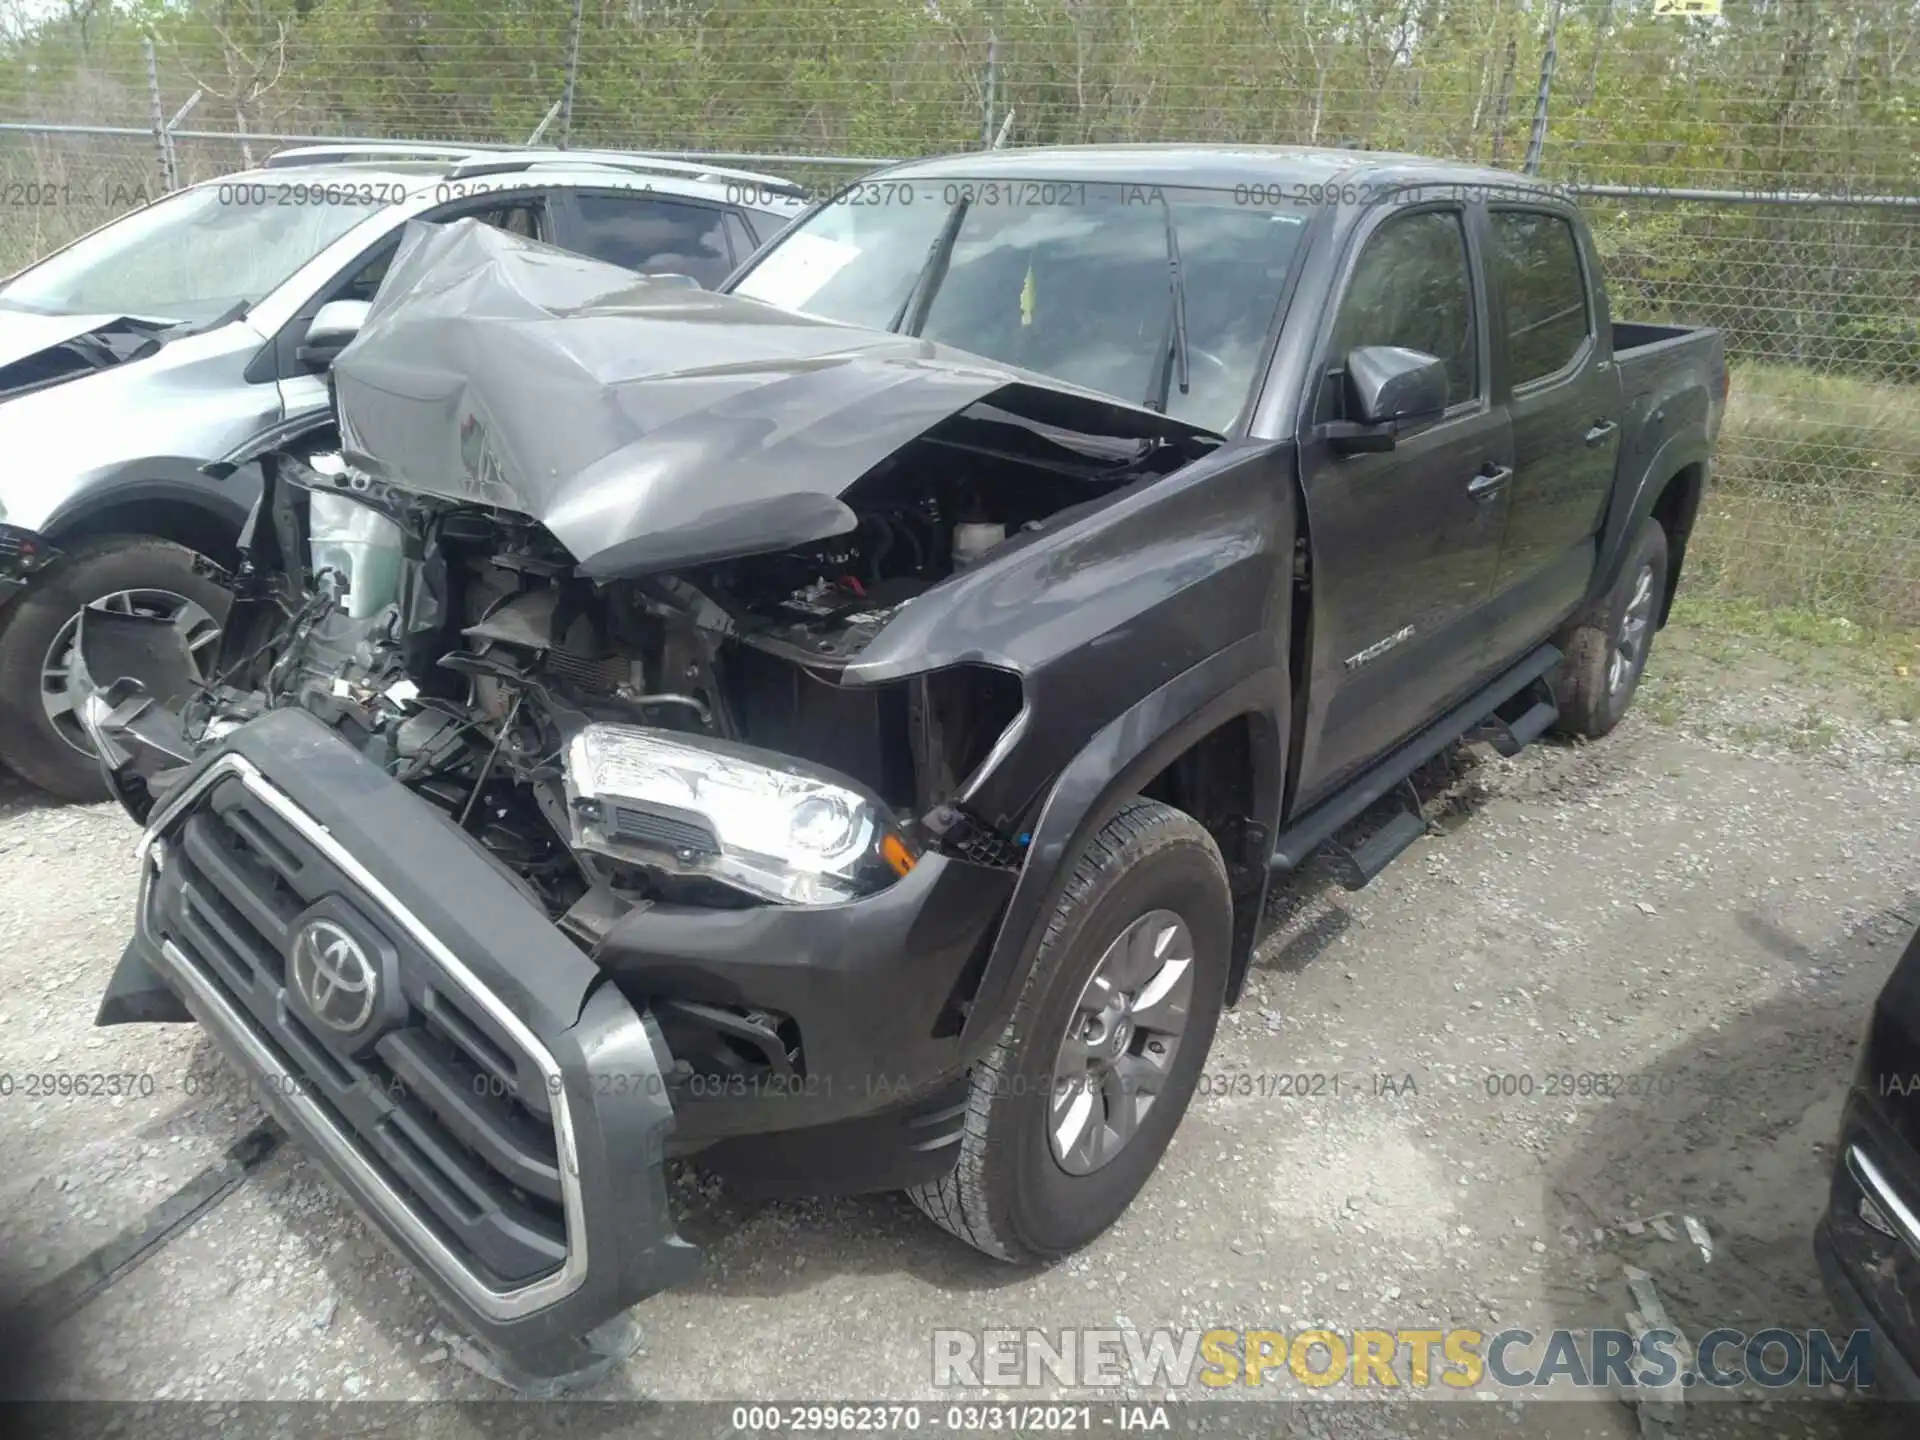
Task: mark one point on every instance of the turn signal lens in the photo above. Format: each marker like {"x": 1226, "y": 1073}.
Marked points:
{"x": 894, "y": 851}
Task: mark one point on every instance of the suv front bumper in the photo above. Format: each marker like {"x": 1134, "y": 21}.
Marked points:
{"x": 22, "y": 553}
{"x": 463, "y": 1071}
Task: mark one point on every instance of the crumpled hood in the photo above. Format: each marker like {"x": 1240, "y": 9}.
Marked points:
{"x": 26, "y": 338}
{"x": 645, "y": 422}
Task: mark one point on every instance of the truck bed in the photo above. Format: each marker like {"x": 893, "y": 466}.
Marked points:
{"x": 1669, "y": 374}
{"x": 1636, "y": 335}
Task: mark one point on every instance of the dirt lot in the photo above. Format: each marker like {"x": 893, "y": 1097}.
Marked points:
{"x": 1702, "y": 907}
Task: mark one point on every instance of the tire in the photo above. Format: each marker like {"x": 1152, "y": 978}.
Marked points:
{"x": 1595, "y": 683}
{"x": 40, "y": 748}
{"x": 1011, "y": 1194}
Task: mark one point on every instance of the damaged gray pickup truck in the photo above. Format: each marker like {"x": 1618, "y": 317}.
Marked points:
{"x": 846, "y": 726}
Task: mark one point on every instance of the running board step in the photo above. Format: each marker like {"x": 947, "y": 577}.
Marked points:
{"x": 1306, "y": 834}
{"x": 1518, "y": 722}
{"x": 1356, "y": 866}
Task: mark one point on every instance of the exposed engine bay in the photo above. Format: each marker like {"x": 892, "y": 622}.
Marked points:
{"x": 459, "y": 648}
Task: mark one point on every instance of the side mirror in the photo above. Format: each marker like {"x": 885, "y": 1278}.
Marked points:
{"x": 330, "y": 332}
{"x": 1390, "y": 385}
{"x": 1388, "y": 389}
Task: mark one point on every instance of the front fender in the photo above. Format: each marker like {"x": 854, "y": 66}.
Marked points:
{"x": 1123, "y": 756}
{"x": 170, "y": 479}
{"x": 1104, "y": 609}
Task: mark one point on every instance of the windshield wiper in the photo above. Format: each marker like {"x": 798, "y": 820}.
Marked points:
{"x": 1175, "y": 355}
{"x": 912, "y": 313}
{"x": 236, "y": 311}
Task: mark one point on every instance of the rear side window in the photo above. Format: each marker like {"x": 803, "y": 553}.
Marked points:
{"x": 1412, "y": 288}
{"x": 521, "y": 217}
{"x": 654, "y": 237}
{"x": 1538, "y": 263}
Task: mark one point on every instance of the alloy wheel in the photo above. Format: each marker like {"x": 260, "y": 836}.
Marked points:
{"x": 1636, "y": 627}
{"x": 64, "y": 685}
{"x": 1120, "y": 1042}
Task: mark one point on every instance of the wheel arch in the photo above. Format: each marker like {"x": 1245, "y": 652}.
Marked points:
{"x": 203, "y": 515}
{"x": 1213, "y": 737}
{"x": 1670, "y": 489}
{"x": 1676, "y": 507}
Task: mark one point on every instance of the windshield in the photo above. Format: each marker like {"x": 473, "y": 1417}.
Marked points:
{"x": 1065, "y": 279}
{"x": 191, "y": 257}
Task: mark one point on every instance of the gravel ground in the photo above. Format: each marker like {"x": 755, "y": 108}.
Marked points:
{"x": 1703, "y": 908}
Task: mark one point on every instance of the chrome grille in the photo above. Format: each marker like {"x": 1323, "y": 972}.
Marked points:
{"x": 442, "y": 1104}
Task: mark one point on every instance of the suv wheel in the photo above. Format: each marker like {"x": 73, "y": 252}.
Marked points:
{"x": 1070, "y": 1112}
{"x": 1607, "y": 653}
{"x": 42, "y": 689}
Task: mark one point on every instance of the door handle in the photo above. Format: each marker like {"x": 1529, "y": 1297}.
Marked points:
{"x": 1600, "y": 431}
{"x": 1488, "y": 482}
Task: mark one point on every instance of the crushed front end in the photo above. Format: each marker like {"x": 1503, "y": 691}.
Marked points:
{"x": 499, "y": 923}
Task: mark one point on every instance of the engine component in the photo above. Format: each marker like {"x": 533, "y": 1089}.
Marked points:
{"x": 752, "y": 819}
{"x": 359, "y": 544}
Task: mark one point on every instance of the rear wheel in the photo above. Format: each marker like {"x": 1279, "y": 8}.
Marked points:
{"x": 1607, "y": 653}
{"x": 1071, "y": 1111}
{"x": 42, "y": 688}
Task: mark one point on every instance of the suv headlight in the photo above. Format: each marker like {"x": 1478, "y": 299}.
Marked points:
{"x": 773, "y": 827}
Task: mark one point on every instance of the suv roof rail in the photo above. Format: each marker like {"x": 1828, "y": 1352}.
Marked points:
{"x": 368, "y": 150}
{"x": 502, "y": 162}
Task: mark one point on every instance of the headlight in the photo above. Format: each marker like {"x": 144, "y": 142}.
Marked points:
{"x": 773, "y": 827}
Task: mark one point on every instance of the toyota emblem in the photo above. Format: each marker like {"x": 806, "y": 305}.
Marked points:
{"x": 334, "y": 975}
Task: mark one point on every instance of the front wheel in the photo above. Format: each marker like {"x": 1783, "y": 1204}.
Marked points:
{"x": 1607, "y": 652}
{"x": 1070, "y": 1112}
{"x": 42, "y": 689}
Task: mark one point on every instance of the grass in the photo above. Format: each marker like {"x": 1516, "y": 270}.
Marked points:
{"x": 1815, "y": 504}
{"x": 1850, "y": 673}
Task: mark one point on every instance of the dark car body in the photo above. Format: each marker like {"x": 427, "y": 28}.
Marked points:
{"x": 1868, "y": 1242}
{"x": 1268, "y": 625}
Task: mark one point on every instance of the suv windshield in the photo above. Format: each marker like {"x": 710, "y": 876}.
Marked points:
{"x": 190, "y": 257}
{"x": 1065, "y": 279}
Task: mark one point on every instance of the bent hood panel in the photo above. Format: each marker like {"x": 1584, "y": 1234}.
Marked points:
{"x": 645, "y": 422}
{"x": 26, "y": 335}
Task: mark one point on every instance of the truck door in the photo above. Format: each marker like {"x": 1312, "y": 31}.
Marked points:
{"x": 1404, "y": 541}
{"x": 1555, "y": 368}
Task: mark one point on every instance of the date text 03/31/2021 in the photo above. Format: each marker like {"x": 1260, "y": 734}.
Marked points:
{"x": 969, "y": 1419}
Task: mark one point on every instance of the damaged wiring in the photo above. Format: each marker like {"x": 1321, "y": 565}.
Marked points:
{"x": 493, "y": 756}
{"x": 196, "y": 717}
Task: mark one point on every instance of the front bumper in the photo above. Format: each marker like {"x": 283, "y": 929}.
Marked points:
{"x": 22, "y": 554}
{"x": 499, "y": 1112}
{"x": 1873, "y": 1278}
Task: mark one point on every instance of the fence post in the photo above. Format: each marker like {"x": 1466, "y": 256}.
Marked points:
{"x": 987, "y": 99}
{"x": 545, "y": 120}
{"x": 165, "y": 153}
{"x": 166, "y": 133}
{"x": 1537, "y": 141}
{"x": 573, "y": 73}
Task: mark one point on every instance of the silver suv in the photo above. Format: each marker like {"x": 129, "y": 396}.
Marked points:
{"x": 158, "y": 343}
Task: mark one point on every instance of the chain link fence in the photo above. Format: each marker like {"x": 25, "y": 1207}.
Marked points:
{"x": 1756, "y": 168}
